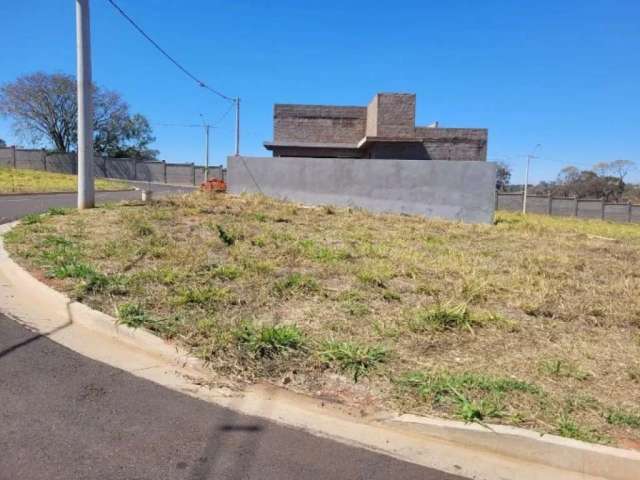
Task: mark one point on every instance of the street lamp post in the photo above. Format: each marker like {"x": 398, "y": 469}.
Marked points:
{"x": 526, "y": 178}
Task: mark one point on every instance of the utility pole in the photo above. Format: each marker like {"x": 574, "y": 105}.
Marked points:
{"x": 237, "y": 100}
{"x": 526, "y": 178}
{"x": 86, "y": 194}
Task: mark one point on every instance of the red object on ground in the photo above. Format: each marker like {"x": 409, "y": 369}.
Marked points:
{"x": 213, "y": 185}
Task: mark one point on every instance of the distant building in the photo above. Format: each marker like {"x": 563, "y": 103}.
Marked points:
{"x": 384, "y": 129}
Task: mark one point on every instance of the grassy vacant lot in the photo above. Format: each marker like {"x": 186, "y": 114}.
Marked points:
{"x": 532, "y": 321}
{"x": 29, "y": 181}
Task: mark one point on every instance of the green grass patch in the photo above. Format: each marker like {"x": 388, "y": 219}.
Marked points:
{"x": 471, "y": 396}
{"x": 34, "y": 181}
{"x": 131, "y": 314}
{"x": 269, "y": 341}
{"x": 296, "y": 283}
{"x": 624, "y": 417}
{"x": 571, "y": 428}
{"x": 357, "y": 359}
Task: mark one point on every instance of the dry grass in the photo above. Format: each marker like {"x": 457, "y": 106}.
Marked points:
{"x": 532, "y": 321}
{"x": 32, "y": 181}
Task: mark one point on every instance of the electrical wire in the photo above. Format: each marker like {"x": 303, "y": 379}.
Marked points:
{"x": 169, "y": 57}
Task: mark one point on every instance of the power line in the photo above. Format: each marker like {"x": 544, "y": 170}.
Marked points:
{"x": 161, "y": 50}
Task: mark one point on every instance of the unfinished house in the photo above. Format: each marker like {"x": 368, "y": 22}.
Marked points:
{"x": 385, "y": 129}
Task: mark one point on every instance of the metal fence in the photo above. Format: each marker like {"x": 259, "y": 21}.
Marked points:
{"x": 569, "y": 207}
{"x": 156, "y": 171}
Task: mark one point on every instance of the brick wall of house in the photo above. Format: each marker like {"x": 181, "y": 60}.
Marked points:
{"x": 454, "y": 143}
{"x": 319, "y": 124}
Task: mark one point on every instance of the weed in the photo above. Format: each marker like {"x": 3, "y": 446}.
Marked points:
{"x": 260, "y": 217}
{"x": 225, "y": 236}
{"x": 57, "y": 211}
{"x": 296, "y": 283}
{"x": 562, "y": 368}
{"x": 142, "y": 229}
{"x": 473, "y": 396}
{"x": 375, "y": 275}
{"x": 131, "y": 314}
{"x": 270, "y": 341}
{"x": 620, "y": 416}
{"x": 352, "y": 357}
{"x": 442, "y": 317}
{"x": 31, "y": 219}
{"x": 200, "y": 295}
{"x": 390, "y": 296}
{"x": 321, "y": 253}
{"x": 227, "y": 272}
{"x": 568, "y": 427}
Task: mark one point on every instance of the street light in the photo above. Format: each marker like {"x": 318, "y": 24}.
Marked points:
{"x": 526, "y": 178}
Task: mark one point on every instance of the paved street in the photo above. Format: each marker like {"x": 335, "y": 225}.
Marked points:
{"x": 63, "y": 416}
{"x": 13, "y": 207}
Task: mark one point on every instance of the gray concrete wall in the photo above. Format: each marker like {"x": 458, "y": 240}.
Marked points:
{"x": 451, "y": 190}
{"x": 119, "y": 168}
{"x": 566, "y": 207}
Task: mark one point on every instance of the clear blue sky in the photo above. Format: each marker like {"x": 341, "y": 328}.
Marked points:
{"x": 565, "y": 74}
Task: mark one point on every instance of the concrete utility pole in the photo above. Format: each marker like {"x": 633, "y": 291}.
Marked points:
{"x": 526, "y": 178}
{"x": 86, "y": 194}
{"x": 237, "y": 100}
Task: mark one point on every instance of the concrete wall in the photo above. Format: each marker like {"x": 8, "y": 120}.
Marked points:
{"x": 569, "y": 207}
{"x": 451, "y": 190}
{"x": 318, "y": 124}
{"x": 119, "y": 168}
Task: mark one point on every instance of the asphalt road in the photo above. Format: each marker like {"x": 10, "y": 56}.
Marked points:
{"x": 64, "y": 416}
{"x": 13, "y": 207}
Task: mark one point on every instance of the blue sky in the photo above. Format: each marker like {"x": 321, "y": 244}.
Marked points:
{"x": 561, "y": 73}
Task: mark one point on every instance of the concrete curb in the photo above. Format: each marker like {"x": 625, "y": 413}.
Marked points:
{"x": 554, "y": 451}
{"x": 498, "y": 452}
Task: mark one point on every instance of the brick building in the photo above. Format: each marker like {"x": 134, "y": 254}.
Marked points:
{"x": 384, "y": 129}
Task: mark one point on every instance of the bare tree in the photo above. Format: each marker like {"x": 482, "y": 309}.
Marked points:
{"x": 44, "y": 109}
{"x": 503, "y": 175}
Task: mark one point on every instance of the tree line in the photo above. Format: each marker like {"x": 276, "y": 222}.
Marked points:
{"x": 44, "y": 109}
{"x": 605, "y": 180}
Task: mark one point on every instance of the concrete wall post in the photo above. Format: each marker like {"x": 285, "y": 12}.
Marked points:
{"x": 193, "y": 172}
{"x": 13, "y": 157}
{"x": 602, "y": 205}
{"x": 629, "y": 211}
{"x": 575, "y": 207}
{"x": 549, "y": 204}
{"x": 44, "y": 159}
{"x": 164, "y": 170}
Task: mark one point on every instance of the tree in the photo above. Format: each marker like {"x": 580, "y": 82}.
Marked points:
{"x": 503, "y": 176}
{"x": 3, "y": 144}
{"x": 44, "y": 108}
{"x": 618, "y": 169}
